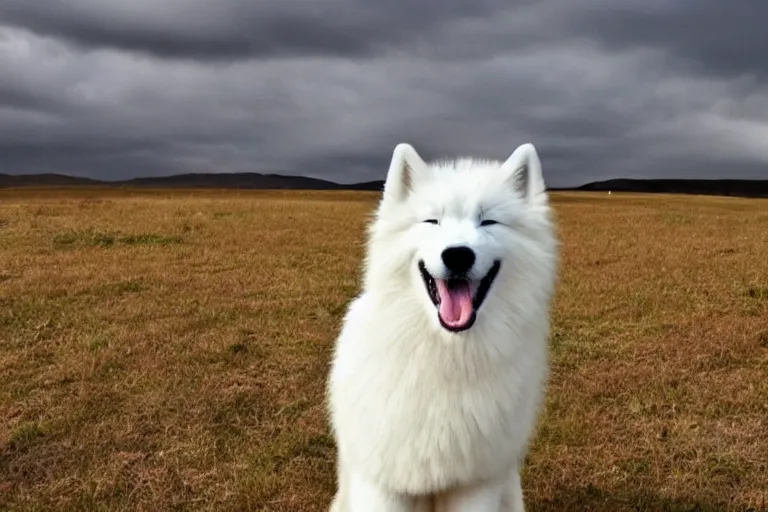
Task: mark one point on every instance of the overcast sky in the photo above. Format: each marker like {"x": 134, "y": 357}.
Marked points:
{"x": 326, "y": 88}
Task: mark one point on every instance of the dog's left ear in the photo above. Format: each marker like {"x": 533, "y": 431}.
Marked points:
{"x": 524, "y": 168}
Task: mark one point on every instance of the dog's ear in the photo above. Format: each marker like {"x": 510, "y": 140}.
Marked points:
{"x": 523, "y": 167}
{"x": 404, "y": 168}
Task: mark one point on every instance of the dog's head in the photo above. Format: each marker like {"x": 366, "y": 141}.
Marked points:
{"x": 458, "y": 235}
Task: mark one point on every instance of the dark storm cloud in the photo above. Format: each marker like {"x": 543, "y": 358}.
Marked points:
{"x": 327, "y": 88}
{"x": 715, "y": 36}
{"x": 241, "y": 28}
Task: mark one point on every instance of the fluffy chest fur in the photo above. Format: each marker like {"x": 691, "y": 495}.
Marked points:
{"x": 423, "y": 411}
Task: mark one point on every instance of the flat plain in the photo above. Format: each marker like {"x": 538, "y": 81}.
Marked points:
{"x": 166, "y": 350}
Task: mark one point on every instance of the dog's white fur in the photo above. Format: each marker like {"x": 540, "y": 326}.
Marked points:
{"x": 431, "y": 420}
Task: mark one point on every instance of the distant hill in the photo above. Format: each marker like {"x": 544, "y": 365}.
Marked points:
{"x": 234, "y": 180}
{"x": 741, "y": 188}
{"x": 44, "y": 180}
{"x": 248, "y": 180}
{"x": 252, "y": 180}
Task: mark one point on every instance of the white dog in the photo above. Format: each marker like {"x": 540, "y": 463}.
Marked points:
{"x": 441, "y": 365}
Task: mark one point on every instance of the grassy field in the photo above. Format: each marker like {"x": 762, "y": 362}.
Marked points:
{"x": 167, "y": 350}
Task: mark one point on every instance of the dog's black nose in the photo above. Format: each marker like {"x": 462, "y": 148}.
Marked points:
{"x": 458, "y": 259}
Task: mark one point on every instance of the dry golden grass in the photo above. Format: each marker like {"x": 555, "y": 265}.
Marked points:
{"x": 167, "y": 350}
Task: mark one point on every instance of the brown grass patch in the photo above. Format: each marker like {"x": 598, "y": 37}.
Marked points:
{"x": 167, "y": 350}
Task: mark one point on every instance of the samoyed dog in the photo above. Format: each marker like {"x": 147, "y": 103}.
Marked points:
{"x": 441, "y": 364}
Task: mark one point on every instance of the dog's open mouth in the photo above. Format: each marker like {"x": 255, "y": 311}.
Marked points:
{"x": 457, "y": 299}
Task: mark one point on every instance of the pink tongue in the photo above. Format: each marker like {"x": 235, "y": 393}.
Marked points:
{"x": 455, "y": 302}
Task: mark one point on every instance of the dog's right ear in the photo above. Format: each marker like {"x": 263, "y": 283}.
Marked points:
{"x": 405, "y": 166}
{"x": 524, "y": 167}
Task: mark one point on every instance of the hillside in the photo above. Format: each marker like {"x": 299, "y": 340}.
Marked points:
{"x": 742, "y": 188}
{"x": 234, "y": 180}
{"x": 44, "y": 180}
{"x": 249, "y": 180}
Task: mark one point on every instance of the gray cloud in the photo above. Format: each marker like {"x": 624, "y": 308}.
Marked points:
{"x": 713, "y": 36}
{"x": 127, "y": 88}
{"x": 227, "y": 29}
